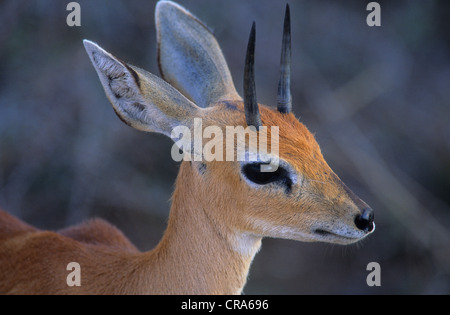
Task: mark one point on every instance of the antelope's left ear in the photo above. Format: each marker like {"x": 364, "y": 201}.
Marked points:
{"x": 190, "y": 58}
{"x": 141, "y": 99}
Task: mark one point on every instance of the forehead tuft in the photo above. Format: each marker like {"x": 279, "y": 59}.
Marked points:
{"x": 231, "y": 113}
{"x": 297, "y": 144}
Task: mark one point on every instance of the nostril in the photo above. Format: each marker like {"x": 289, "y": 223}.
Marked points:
{"x": 364, "y": 220}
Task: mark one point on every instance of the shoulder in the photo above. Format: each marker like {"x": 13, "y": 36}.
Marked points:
{"x": 99, "y": 232}
{"x": 10, "y": 226}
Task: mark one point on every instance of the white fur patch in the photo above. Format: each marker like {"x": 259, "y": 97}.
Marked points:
{"x": 279, "y": 231}
{"x": 246, "y": 244}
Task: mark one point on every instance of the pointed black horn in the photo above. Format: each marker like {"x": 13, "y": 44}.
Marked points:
{"x": 284, "y": 98}
{"x": 250, "y": 104}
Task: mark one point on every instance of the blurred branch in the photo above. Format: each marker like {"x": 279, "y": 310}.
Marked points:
{"x": 394, "y": 192}
{"x": 357, "y": 94}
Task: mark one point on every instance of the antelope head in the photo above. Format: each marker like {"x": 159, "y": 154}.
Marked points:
{"x": 301, "y": 198}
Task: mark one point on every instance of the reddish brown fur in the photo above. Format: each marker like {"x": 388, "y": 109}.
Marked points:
{"x": 196, "y": 254}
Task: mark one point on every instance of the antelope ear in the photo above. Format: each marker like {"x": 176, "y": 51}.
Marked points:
{"x": 190, "y": 58}
{"x": 139, "y": 98}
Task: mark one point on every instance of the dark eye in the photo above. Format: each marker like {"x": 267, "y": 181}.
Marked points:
{"x": 281, "y": 176}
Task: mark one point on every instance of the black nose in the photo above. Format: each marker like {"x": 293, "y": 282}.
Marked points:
{"x": 364, "y": 220}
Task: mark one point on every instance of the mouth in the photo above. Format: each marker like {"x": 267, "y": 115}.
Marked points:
{"x": 341, "y": 237}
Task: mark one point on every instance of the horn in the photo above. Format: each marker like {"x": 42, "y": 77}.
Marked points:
{"x": 252, "y": 115}
{"x": 284, "y": 98}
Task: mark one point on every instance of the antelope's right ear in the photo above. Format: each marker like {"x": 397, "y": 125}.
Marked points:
{"x": 141, "y": 99}
{"x": 190, "y": 58}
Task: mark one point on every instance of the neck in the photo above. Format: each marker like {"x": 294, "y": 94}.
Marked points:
{"x": 198, "y": 254}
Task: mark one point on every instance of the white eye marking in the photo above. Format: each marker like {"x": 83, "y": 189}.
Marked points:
{"x": 271, "y": 167}
{"x": 246, "y": 244}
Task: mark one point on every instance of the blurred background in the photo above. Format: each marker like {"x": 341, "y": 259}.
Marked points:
{"x": 377, "y": 99}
